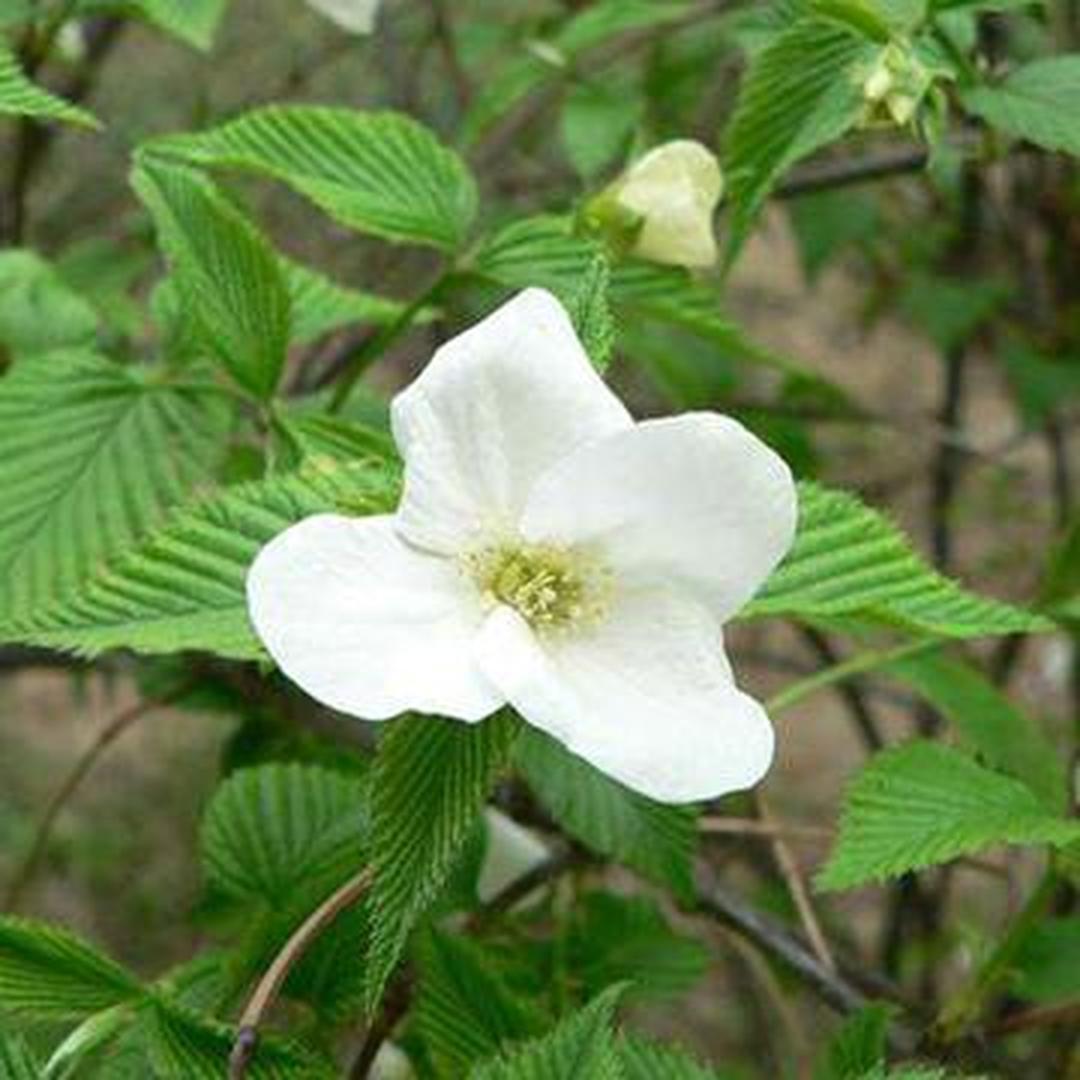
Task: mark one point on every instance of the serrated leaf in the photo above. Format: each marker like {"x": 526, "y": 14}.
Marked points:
{"x": 849, "y": 560}
{"x": 92, "y": 454}
{"x": 226, "y": 271}
{"x": 320, "y": 305}
{"x": 643, "y": 1059}
{"x": 381, "y": 173}
{"x": 183, "y": 587}
{"x": 1038, "y": 102}
{"x": 802, "y": 92}
{"x": 46, "y": 971}
{"x": 193, "y": 21}
{"x": 655, "y": 839}
{"x": 16, "y": 1060}
{"x": 271, "y": 829}
{"x": 626, "y": 939}
{"x": 581, "y": 1045}
{"x": 465, "y": 1012}
{"x": 38, "y": 311}
{"x": 21, "y": 97}
{"x": 180, "y": 1042}
{"x": 591, "y": 313}
{"x": 988, "y": 721}
{"x": 922, "y": 804}
{"x": 430, "y": 781}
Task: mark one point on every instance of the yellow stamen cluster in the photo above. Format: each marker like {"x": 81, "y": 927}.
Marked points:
{"x": 552, "y": 587}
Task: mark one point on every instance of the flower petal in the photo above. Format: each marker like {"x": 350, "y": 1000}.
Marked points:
{"x": 495, "y": 407}
{"x": 367, "y": 625}
{"x": 646, "y": 697}
{"x": 695, "y": 501}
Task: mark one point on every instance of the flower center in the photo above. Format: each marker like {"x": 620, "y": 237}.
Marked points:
{"x": 551, "y": 587}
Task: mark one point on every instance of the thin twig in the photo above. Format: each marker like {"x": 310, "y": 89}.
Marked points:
{"x": 42, "y": 834}
{"x": 777, "y": 941}
{"x": 796, "y": 887}
{"x": 1043, "y": 1016}
{"x": 766, "y": 829}
{"x": 266, "y": 992}
{"x": 845, "y": 172}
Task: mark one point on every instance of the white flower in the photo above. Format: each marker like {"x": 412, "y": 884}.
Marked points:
{"x": 673, "y": 190}
{"x": 356, "y": 16}
{"x": 548, "y": 553}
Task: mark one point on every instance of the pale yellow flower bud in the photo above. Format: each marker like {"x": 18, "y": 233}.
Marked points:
{"x": 895, "y": 86}
{"x": 671, "y": 194}
{"x": 356, "y": 16}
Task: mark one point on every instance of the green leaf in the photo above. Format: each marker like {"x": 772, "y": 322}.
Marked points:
{"x": 989, "y": 722}
{"x": 381, "y": 173}
{"x": 272, "y": 829}
{"x": 193, "y": 21}
{"x": 802, "y": 92}
{"x": 183, "y": 587}
{"x": 643, "y": 1059}
{"x": 91, "y": 456}
{"x": 858, "y": 1047}
{"x": 16, "y": 1060}
{"x": 320, "y": 305}
{"x": 591, "y": 313}
{"x": 849, "y": 560}
{"x": 655, "y": 839}
{"x": 38, "y": 311}
{"x": 431, "y": 779}
{"x": 1047, "y": 965}
{"x": 828, "y": 222}
{"x": 1039, "y": 103}
{"x": 183, "y": 1043}
{"x": 948, "y": 309}
{"x": 45, "y": 971}
{"x": 226, "y": 272}
{"x": 465, "y": 1011}
{"x": 579, "y": 1046}
{"x": 922, "y": 804}
{"x": 626, "y": 939}
{"x": 598, "y": 121}
{"x": 21, "y": 97}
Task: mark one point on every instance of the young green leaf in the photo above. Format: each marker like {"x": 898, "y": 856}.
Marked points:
{"x": 591, "y": 313}
{"x": 38, "y": 310}
{"x": 922, "y": 804}
{"x": 849, "y": 560}
{"x": 802, "y": 92}
{"x": 183, "y": 587}
{"x": 21, "y": 97}
{"x": 465, "y": 1012}
{"x": 320, "y": 305}
{"x": 989, "y": 722}
{"x": 381, "y": 173}
{"x": 1047, "y": 965}
{"x": 92, "y": 454}
{"x": 652, "y": 838}
{"x": 1038, "y": 102}
{"x": 226, "y": 271}
{"x": 272, "y": 829}
{"x": 580, "y": 1045}
{"x": 46, "y": 971}
{"x": 429, "y": 785}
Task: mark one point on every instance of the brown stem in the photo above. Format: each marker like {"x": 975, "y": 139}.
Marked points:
{"x": 109, "y": 734}
{"x": 269, "y": 986}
